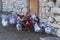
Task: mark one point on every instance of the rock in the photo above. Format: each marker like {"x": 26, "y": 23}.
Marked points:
{"x": 53, "y": 31}
{"x": 55, "y": 10}
{"x": 58, "y": 33}
{"x": 58, "y": 3}
{"x": 54, "y": 25}
{"x": 49, "y": 38}
{"x": 51, "y": 19}
{"x": 57, "y": 18}
{"x": 50, "y": 4}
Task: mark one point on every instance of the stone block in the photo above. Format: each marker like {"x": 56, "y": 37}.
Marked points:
{"x": 49, "y": 38}
{"x": 54, "y": 25}
{"x": 58, "y": 33}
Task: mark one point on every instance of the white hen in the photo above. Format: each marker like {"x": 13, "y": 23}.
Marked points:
{"x": 48, "y": 30}
{"x": 36, "y": 28}
{"x": 19, "y": 27}
{"x": 33, "y": 17}
{"x": 4, "y": 22}
{"x": 12, "y": 20}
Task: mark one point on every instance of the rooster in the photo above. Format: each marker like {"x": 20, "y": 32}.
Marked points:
{"x": 20, "y": 23}
{"x": 28, "y": 25}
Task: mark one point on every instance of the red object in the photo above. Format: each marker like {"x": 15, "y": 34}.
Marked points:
{"x": 29, "y": 25}
{"x": 42, "y": 27}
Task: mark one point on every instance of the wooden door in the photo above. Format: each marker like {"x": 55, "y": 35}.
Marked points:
{"x": 34, "y": 7}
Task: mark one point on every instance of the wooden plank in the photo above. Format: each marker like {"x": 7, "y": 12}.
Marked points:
{"x": 34, "y": 6}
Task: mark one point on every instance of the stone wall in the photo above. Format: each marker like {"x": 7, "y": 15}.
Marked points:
{"x": 0, "y": 5}
{"x": 7, "y": 5}
{"x": 41, "y": 4}
{"x": 58, "y": 3}
{"x": 20, "y": 6}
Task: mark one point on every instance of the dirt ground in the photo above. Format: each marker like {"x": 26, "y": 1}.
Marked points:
{"x": 10, "y": 33}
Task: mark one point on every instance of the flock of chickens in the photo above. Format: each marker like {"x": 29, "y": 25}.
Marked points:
{"x": 7, "y": 19}
{"x": 29, "y": 23}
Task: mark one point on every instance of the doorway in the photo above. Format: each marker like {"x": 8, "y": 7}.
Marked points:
{"x": 34, "y": 7}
